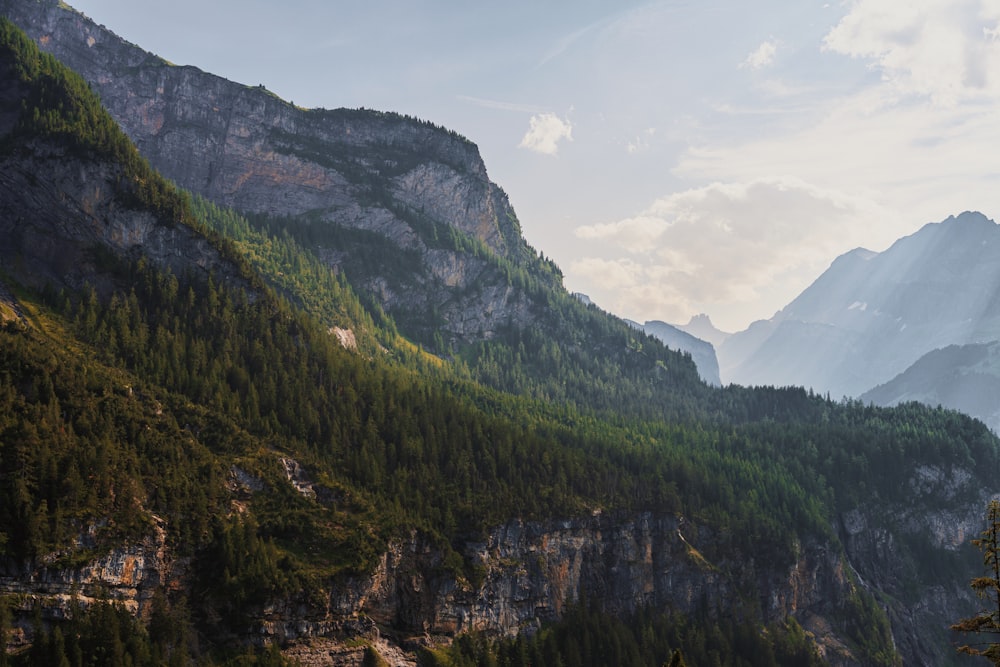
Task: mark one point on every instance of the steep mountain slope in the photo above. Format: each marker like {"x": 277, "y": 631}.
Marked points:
{"x": 404, "y": 207}
{"x": 961, "y": 377}
{"x": 702, "y": 352}
{"x": 871, "y": 315}
{"x": 250, "y": 470}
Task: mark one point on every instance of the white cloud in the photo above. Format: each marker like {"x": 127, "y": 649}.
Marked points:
{"x": 545, "y": 132}
{"x": 762, "y": 56}
{"x": 497, "y": 104}
{"x": 641, "y": 142}
{"x": 739, "y": 247}
{"x": 942, "y": 49}
{"x": 922, "y": 162}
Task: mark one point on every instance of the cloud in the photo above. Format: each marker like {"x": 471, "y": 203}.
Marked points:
{"x": 762, "y": 56}
{"x": 545, "y": 132}
{"x": 942, "y": 49}
{"x": 921, "y": 161}
{"x": 501, "y": 106}
{"x": 748, "y": 246}
{"x": 641, "y": 142}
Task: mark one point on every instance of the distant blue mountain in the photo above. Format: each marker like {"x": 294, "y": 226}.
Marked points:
{"x": 872, "y": 315}
{"x": 961, "y": 377}
{"x": 702, "y": 352}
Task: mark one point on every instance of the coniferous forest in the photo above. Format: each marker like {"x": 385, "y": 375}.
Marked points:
{"x": 141, "y": 400}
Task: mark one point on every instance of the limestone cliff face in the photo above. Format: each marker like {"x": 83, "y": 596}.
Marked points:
{"x": 946, "y": 512}
{"x": 131, "y": 574}
{"x": 243, "y": 147}
{"x": 528, "y": 572}
{"x": 532, "y": 570}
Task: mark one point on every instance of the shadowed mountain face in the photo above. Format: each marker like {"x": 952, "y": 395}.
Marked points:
{"x": 961, "y": 377}
{"x": 701, "y": 351}
{"x": 871, "y": 315}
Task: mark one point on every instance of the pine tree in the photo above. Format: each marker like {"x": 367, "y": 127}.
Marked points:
{"x": 5, "y": 625}
{"x": 986, "y": 623}
{"x": 676, "y": 660}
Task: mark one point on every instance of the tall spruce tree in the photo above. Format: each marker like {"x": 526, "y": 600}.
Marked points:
{"x": 986, "y": 624}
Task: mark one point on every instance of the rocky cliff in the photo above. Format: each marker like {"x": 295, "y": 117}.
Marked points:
{"x": 528, "y": 572}
{"x": 64, "y": 208}
{"x": 77, "y": 211}
{"x": 341, "y": 178}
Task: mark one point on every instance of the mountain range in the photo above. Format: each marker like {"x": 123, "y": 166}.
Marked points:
{"x": 282, "y": 385}
{"x": 903, "y": 324}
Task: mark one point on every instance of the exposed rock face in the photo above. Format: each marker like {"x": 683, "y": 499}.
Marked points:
{"x": 366, "y": 171}
{"x": 533, "y": 570}
{"x": 873, "y": 537}
{"x": 526, "y": 573}
{"x": 130, "y": 574}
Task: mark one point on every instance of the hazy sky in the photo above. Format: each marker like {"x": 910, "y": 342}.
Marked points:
{"x": 672, "y": 157}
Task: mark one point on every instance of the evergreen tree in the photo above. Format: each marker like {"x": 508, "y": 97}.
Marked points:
{"x": 986, "y": 624}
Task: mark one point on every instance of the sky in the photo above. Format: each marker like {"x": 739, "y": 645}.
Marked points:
{"x": 673, "y": 158}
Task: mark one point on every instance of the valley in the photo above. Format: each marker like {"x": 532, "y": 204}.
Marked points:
{"x": 196, "y": 469}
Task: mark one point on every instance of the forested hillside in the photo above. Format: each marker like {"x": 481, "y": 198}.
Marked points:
{"x": 173, "y": 395}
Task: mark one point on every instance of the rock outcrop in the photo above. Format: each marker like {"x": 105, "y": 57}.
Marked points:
{"x": 528, "y": 572}
{"x": 130, "y": 574}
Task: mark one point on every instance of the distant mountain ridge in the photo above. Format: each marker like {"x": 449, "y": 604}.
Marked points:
{"x": 702, "y": 352}
{"x": 961, "y": 377}
{"x": 701, "y": 326}
{"x": 871, "y": 315}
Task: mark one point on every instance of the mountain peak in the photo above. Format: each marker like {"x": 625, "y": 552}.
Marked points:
{"x": 871, "y": 315}
{"x": 701, "y": 326}
{"x": 970, "y": 217}
{"x": 700, "y": 320}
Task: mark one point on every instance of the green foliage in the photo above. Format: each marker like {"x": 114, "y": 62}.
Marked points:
{"x": 866, "y": 625}
{"x": 58, "y": 106}
{"x": 373, "y": 659}
{"x": 106, "y": 634}
{"x": 985, "y": 625}
{"x": 5, "y": 627}
{"x": 83, "y": 447}
{"x": 588, "y": 637}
